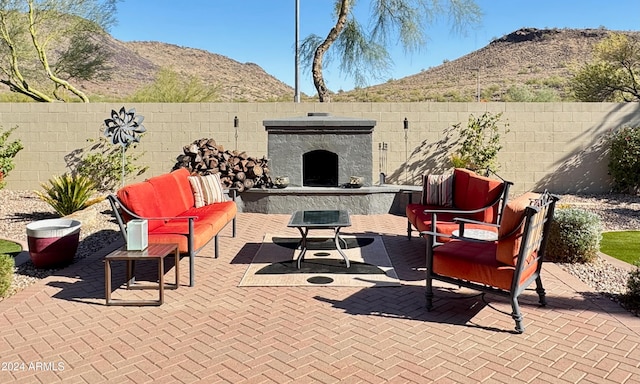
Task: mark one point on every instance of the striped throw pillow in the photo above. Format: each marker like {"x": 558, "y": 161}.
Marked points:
{"x": 437, "y": 190}
{"x": 206, "y": 189}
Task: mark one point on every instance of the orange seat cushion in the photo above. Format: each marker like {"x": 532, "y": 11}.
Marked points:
{"x": 228, "y": 208}
{"x": 475, "y": 262}
{"x": 176, "y": 232}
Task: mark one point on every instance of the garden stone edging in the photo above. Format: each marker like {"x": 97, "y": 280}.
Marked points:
{"x": 617, "y": 263}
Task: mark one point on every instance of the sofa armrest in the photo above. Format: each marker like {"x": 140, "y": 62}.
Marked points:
{"x": 118, "y": 208}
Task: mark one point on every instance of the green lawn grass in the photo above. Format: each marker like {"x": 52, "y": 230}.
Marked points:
{"x": 9, "y": 247}
{"x": 623, "y": 245}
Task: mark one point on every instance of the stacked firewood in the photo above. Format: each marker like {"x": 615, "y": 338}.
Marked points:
{"x": 236, "y": 169}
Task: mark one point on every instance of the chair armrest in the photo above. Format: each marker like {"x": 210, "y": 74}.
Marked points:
{"x": 464, "y": 221}
{"x": 453, "y": 210}
{"x": 433, "y": 235}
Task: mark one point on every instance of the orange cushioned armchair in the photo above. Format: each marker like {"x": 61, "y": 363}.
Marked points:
{"x": 505, "y": 266}
{"x": 168, "y": 203}
{"x": 463, "y": 194}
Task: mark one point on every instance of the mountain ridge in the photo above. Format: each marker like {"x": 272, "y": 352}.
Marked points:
{"x": 528, "y": 57}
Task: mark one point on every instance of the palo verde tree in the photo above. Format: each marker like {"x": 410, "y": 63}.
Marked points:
{"x": 613, "y": 74}
{"x": 363, "y": 52}
{"x": 48, "y": 45}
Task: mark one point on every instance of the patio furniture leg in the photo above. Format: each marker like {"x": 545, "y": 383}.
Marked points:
{"x": 516, "y": 315}
{"x": 429, "y": 294}
{"x": 541, "y": 292}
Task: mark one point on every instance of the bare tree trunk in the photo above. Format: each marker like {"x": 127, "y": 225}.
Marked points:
{"x": 316, "y": 69}
{"x": 15, "y": 81}
{"x": 42, "y": 55}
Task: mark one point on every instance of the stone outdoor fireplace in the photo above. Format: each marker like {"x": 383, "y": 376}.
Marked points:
{"x": 319, "y": 150}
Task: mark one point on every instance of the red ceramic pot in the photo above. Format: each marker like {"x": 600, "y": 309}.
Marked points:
{"x": 53, "y": 242}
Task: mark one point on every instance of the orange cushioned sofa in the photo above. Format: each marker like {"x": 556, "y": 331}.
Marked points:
{"x": 467, "y": 195}
{"x": 167, "y": 202}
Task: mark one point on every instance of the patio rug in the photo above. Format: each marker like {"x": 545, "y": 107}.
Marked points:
{"x": 274, "y": 265}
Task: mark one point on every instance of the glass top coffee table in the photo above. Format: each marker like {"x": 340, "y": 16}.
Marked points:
{"x": 321, "y": 219}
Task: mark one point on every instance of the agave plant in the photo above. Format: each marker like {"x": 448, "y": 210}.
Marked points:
{"x": 68, "y": 193}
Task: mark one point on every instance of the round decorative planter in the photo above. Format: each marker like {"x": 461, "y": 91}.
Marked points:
{"x": 281, "y": 181}
{"x": 53, "y": 242}
{"x": 356, "y": 181}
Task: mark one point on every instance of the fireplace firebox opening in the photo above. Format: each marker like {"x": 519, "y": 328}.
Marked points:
{"x": 320, "y": 169}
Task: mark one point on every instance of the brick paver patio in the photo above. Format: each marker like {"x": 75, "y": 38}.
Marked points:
{"x": 60, "y": 330}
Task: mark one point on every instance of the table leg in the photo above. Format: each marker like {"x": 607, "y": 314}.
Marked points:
{"x": 303, "y": 244}
{"x": 131, "y": 273}
{"x": 337, "y": 239}
{"x": 161, "y": 279}
{"x": 107, "y": 281}
{"x": 177, "y": 263}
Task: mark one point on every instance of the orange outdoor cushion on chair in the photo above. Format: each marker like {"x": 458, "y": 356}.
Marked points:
{"x": 473, "y": 191}
{"x": 470, "y": 192}
{"x": 508, "y": 248}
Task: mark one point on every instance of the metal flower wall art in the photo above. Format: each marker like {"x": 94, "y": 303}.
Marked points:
{"x": 123, "y": 128}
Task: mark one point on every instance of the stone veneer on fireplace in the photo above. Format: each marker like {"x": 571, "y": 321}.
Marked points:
{"x": 320, "y": 150}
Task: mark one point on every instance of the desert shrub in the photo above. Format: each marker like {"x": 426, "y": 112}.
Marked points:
{"x": 102, "y": 163}
{"x": 6, "y": 273}
{"x": 574, "y": 236}
{"x": 631, "y": 299}
{"x": 633, "y": 283}
{"x": 8, "y": 150}
{"x": 68, "y": 193}
{"x": 172, "y": 87}
{"x": 479, "y": 142}
{"x": 624, "y": 159}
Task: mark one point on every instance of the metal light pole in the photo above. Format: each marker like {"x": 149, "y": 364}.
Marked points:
{"x": 296, "y": 96}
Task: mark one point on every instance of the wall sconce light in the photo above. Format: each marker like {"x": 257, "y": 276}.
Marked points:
{"x": 236, "y": 124}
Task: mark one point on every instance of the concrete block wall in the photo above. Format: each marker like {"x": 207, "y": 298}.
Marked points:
{"x": 555, "y": 146}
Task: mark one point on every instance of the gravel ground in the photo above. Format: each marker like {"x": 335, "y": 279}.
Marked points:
{"x": 18, "y": 208}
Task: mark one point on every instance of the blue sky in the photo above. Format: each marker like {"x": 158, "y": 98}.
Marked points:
{"x": 263, "y": 31}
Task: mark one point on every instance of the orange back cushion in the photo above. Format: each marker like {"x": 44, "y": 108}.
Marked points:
{"x": 140, "y": 198}
{"x": 184, "y": 191}
{"x": 472, "y": 191}
{"x": 167, "y": 192}
{"x": 460, "y": 185}
{"x": 507, "y": 250}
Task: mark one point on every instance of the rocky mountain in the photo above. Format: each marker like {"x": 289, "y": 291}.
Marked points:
{"x": 528, "y": 57}
{"x": 137, "y": 63}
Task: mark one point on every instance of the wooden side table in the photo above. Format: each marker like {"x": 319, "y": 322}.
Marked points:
{"x": 153, "y": 251}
